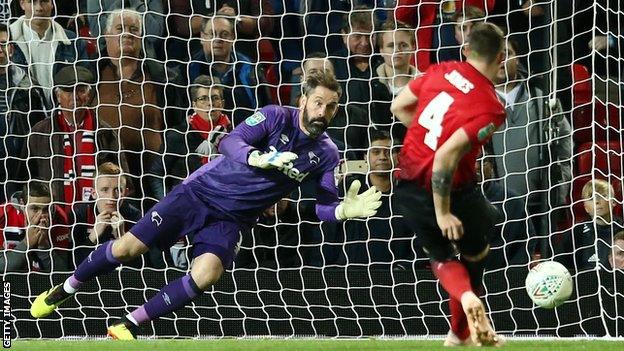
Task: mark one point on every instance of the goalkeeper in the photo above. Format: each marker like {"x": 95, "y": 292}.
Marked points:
{"x": 263, "y": 160}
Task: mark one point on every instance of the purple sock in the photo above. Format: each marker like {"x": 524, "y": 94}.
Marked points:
{"x": 170, "y": 298}
{"x": 99, "y": 262}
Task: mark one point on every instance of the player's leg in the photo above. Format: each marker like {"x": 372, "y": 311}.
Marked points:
{"x": 451, "y": 273}
{"x": 176, "y": 213}
{"x": 102, "y": 260}
{"x": 206, "y": 271}
{"x": 214, "y": 248}
{"x": 477, "y": 216}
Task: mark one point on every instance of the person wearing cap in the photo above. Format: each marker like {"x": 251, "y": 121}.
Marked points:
{"x": 67, "y": 146}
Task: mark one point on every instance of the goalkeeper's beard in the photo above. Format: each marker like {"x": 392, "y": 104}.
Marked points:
{"x": 315, "y": 127}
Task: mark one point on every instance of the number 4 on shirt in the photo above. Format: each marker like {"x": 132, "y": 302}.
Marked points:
{"x": 432, "y": 116}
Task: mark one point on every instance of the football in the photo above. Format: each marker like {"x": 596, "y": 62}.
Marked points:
{"x": 549, "y": 284}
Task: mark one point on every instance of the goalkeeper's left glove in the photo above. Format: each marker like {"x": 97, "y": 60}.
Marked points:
{"x": 362, "y": 205}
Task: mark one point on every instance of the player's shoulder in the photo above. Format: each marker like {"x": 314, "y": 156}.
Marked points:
{"x": 329, "y": 148}
{"x": 273, "y": 114}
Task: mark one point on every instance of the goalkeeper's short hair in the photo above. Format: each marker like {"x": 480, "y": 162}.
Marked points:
{"x": 325, "y": 79}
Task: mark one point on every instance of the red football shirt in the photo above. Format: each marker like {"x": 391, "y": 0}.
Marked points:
{"x": 451, "y": 95}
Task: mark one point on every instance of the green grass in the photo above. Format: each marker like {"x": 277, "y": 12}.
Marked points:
{"x": 303, "y": 345}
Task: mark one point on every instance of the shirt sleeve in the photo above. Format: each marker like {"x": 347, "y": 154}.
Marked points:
{"x": 242, "y": 140}
{"x": 327, "y": 197}
{"x": 481, "y": 128}
{"x": 416, "y": 83}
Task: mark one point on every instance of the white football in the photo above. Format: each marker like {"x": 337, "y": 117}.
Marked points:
{"x": 549, "y": 284}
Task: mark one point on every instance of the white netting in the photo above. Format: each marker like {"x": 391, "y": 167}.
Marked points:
{"x": 296, "y": 276}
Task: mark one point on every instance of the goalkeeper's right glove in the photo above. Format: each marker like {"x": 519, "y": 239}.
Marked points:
{"x": 271, "y": 159}
{"x": 362, "y": 205}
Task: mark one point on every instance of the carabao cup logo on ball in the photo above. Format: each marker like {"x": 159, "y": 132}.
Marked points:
{"x": 549, "y": 284}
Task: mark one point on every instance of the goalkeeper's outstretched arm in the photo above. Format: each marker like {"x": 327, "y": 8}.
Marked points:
{"x": 329, "y": 208}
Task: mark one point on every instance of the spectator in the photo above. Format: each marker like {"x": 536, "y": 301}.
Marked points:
{"x": 510, "y": 244}
{"x": 423, "y": 15}
{"x": 253, "y": 20}
{"x": 396, "y": 44}
{"x": 35, "y": 234}
{"x": 42, "y": 46}
{"x": 22, "y": 105}
{"x": 588, "y": 244}
{"x": 67, "y": 147}
{"x": 616, "y": 257}
{"x": 321, "y": 20}
{"x": 463, "y": 20}
{"x": 238, "y": 75}
{"x": 187, "y": 147}
{"x": 99, "y": 12}
{"x": 355, "y": 66}
{"x": 383, "y": 240}
{"x": 107, "y": 217}
{"x": 534, "y": 146}
{"x": 526, "y": 21}
{"x": 129, "y": 99}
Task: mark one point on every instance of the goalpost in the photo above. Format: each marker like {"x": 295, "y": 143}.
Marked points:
{"x": 297, "y": 277}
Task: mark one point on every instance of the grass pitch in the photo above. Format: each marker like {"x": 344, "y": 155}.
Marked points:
{"x": 302, "y": 345}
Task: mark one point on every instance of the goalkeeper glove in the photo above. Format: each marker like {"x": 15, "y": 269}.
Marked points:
{"x": 362, "y": 205}
{"x": 271, "y": 159}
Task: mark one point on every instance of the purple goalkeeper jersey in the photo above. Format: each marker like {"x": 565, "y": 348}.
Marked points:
{"x": 241, "y": 192}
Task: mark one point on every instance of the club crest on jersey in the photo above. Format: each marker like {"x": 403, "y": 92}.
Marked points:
{"x": 486, "y": 132}
{"x": 255, "y": 119}
{"x": 289, "y": 170}
{"x": 156, "y": 218}
{"x": 313, "y": 158}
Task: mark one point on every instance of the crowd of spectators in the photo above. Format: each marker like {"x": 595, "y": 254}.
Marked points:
{"x": 100, "y": 121}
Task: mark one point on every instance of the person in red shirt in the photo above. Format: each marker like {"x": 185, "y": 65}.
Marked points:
{"x": 193, "y": 143}
{"x": 34, "y": 234}
{"x": 454, "y": 110}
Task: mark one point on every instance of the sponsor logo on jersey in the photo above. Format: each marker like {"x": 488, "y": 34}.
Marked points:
{"x": 486, "y": 132}
{"x": 255, "y": 119}
{"x": 284, "y": 139}
{"x": 156, "y": 218}
{"x": 313, "y": 158}
{"x": 289, "y": 170}
{"x": 459, "y": 82}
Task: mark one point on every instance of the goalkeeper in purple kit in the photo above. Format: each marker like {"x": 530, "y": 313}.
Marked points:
{"x": 263, "y": 159}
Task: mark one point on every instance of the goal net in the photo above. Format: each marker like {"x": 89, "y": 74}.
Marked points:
{"x": 159, "y": 68}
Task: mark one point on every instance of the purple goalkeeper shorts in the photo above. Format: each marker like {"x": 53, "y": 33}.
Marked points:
{"x": 182, "y": 213}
